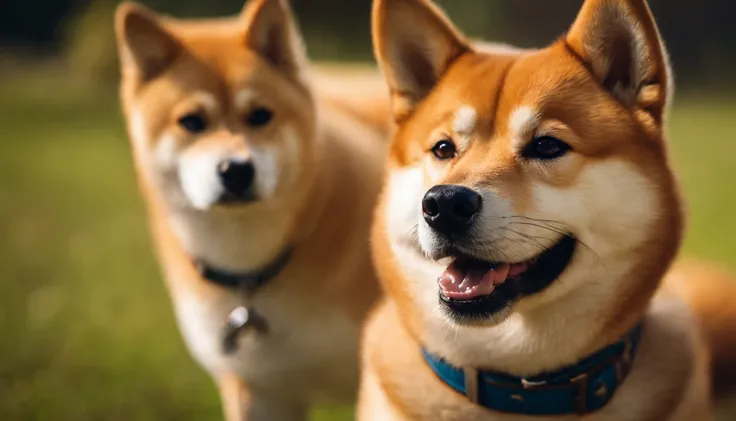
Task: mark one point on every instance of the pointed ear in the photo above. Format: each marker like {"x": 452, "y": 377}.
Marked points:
{"x": 272, "y": 32}
{"x": 620, "y": 43}
{"x": 414, "y": 43}
{"x": 144, "y": 45}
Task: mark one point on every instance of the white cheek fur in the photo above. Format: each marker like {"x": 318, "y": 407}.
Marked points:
{"x": 162, "y": 158}
{"x": 166, "y": 152}
{"x": 403, "y": 213}
{"x": 265, "y": 159}
{"x": 275, "y": 162}
{"x": 138, "y": 129}
{"x": 611, "y": 201}
{"x": 404, "y": 206}
{"x": 199, "y": 179}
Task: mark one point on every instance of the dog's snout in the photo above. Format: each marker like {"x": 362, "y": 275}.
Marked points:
{"x": 449, "y": 209}
{"x": 237, "y": 177}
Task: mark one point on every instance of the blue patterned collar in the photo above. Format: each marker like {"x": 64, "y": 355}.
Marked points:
{"x": 579, "y": 389}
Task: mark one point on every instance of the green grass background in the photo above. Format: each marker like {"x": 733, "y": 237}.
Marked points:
{"x": 86, "y": 328}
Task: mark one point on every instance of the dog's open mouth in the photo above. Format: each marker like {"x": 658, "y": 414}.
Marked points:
{"x": 466, "y": 278}
{"x": 473, "y": 289}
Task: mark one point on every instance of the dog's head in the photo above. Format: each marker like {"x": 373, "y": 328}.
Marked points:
{"x": 521, "y": 181}
{"x": 219, "y": 112}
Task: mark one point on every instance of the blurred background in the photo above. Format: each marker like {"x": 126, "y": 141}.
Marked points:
{"x": 86, "y": 328}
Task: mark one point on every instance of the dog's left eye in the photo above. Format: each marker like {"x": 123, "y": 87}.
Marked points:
{"x": 259, "y": 117}
{"x": 193, "y": 123}
{"x": 546, "y": 148}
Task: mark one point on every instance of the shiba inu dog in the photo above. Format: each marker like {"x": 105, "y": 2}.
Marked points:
{"x": 529, "y": 216}
{"x": 260, "y": 191}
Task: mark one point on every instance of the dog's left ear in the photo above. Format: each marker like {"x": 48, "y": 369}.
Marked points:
{"x": 620, "y": 43}
{"x": 272, "y": 32}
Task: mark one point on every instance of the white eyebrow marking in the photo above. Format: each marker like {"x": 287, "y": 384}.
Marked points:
{"x": 465, "y": 120}
{"x": 208, "y": 101}
{"x": 522, "y": 122}
{"x": 244, "y": 98}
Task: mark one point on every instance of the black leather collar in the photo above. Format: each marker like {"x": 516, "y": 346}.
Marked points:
{"x": 247, "y": 281}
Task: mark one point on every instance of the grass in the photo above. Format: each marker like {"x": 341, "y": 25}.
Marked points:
{"x": 87, "y": 328}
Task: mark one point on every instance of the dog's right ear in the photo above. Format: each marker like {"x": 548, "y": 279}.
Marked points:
{"x": 414, "y": 43}
{"x": 144, "y": 45}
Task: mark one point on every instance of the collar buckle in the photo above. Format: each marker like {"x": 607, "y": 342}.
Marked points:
{"x": 581, "y": 399}
{"x": 471, "y": 383}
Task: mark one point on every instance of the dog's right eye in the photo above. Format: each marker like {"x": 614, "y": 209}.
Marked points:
{"x": 444, "y": 150}
{"x": 193, "y": 123}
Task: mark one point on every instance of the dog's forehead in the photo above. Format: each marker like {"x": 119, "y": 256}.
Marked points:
{"x": 473, "y": 85}
{"x": 535, "y": 89}
{"x": 208, "y": 35}
{"x": 219, "y": 45}
{"x": 231, "y": 63}
{"x": 483, "y": 92}
{"x": 497, "y": 86}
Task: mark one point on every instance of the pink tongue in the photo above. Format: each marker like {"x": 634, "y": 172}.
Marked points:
{"x": 460, "y": 284}
{"x": 457, "y": 283}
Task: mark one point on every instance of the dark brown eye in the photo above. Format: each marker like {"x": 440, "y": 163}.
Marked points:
{"x": 444, "y": 149}
{"x": 259, "y": 117}
{"x": 545, "y": 148}
{"x": 193, "y": 123}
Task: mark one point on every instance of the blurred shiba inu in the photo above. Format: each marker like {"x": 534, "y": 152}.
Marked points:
{"x": 260, "y": 190}
{"x": 529, "y": 216}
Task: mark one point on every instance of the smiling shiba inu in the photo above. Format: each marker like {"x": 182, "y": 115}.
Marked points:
{"x": 529, "y": 216}
{"x": 260, "y": 191}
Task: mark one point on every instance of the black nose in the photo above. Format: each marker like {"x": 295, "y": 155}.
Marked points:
{"x": 449, "y": 209}
{"x": 237, "y": 177}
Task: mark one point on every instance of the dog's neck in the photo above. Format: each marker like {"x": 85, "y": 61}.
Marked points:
{"x": 237, "y": 241}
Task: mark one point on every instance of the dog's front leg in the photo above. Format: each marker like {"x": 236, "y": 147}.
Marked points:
{"x": 241, "y": 403}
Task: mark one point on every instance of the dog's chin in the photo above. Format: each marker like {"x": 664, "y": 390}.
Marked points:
{"x": 221, "y": 201}
{"x": 228, "y": 200}
{"x": 486, "y": 320}
{"x": 482, "y": 293}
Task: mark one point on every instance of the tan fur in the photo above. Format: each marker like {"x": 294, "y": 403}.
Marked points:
{"x": 317, "y": 172}
{"x": 603, "y": 89}
{"x": 709, "y": 291}
{"x": 357, "y": 89}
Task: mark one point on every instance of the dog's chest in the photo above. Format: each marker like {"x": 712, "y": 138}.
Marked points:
{"x": 306, "y": 341}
